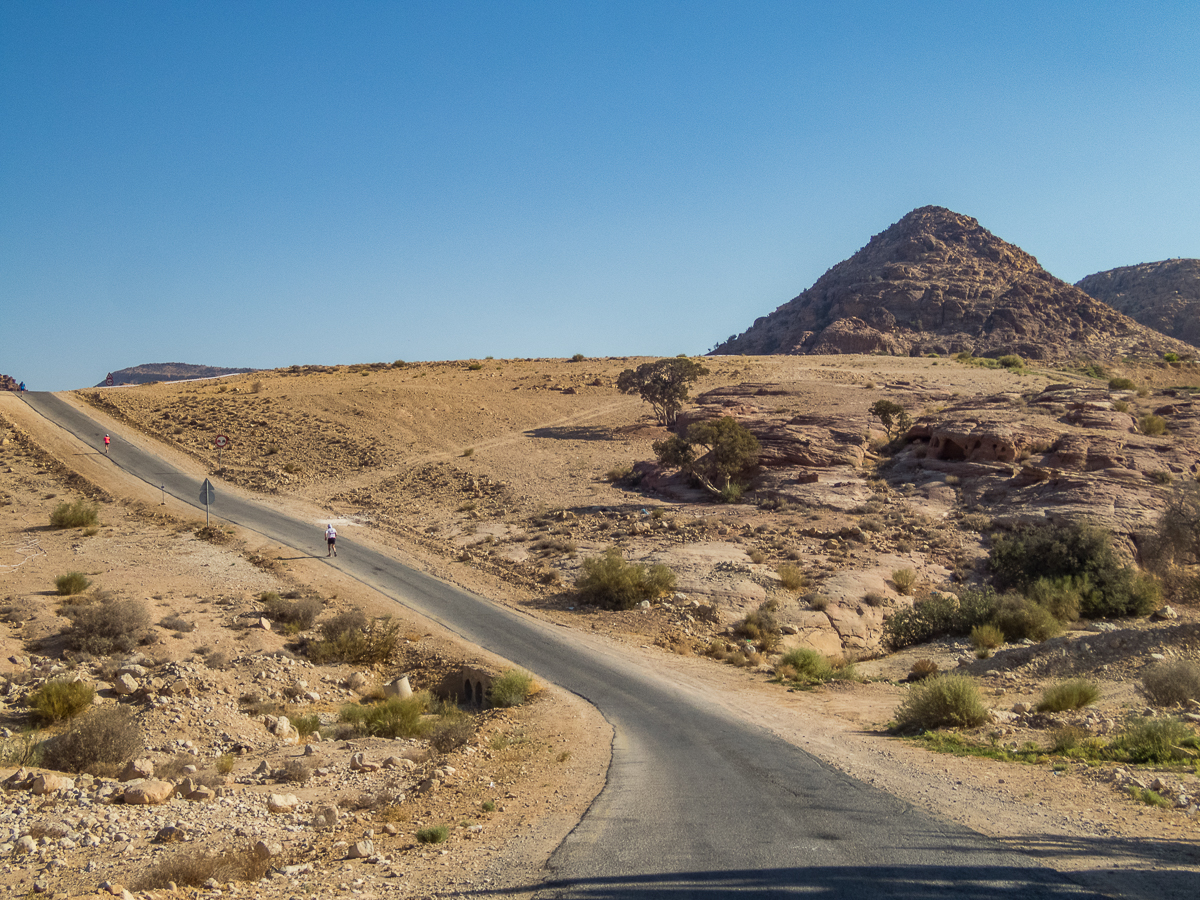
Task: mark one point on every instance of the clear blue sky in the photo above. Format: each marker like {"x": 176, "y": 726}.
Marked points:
{"x": 260, "y": 184}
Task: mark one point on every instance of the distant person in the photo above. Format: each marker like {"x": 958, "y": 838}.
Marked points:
{"x": 106, "y": 441}
{"x": 21, "y": 387}
{"x": 331, "y": 540}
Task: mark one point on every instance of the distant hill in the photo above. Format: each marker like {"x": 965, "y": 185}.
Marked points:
{"x": 167, "y": 372}
{"x": 1161, "y": 295}
{"x": 937, "y": 281}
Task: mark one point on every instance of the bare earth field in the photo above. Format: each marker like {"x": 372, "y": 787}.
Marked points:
{"x": 498, "y": 475}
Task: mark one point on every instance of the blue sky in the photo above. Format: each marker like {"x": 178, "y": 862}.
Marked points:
{"x": 261, "y": 184}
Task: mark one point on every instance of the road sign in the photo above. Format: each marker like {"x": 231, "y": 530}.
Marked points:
{"x": 108, "y": 380}
{"x": 208, "y": 494}
{"x": 221, "y": 441}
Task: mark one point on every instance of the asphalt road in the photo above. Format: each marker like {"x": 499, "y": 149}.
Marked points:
{"x": 697, "y": 804}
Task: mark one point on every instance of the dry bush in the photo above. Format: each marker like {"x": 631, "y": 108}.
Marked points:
{"x": 177, "y": 623}
{"x": 904, "y": 580}
{"x": 760, "y": 625}
{"x": 100, "y": 743}
{"x": 791, "y": 577}
{"x": 986, "y": 637}
{"x": 298, "y": 612}
{"x": 294, "y": 771}
{"x": 194, "y": 866}
{"x": 79, "y": 514}
{"x": 922, "y": 669}
{"x": 512, "y": 688}
{"x": 610, "y": 582}
{"x": 350, "y": 637}
{"x": 1172, "y": 681}
{"x": 1074, "y": 694}
{"x": 217, "y": 659}
{"x": 107, "y": 626}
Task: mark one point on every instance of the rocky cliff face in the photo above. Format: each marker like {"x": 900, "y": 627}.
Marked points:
{"x": 937, "y": 281}
{"x": 149, "y": 372}
{"x": 1163, "y": 295}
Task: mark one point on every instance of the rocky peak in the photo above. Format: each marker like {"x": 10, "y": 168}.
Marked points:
{"x": 937, "y": 281}
{"x": 1162, "y": 295}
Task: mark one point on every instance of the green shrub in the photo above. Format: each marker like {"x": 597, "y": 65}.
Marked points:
{"x": 1122, "y": 384}
{"x": 791, "y": 577}
{"x": 759, "y": 625}
{"x": 79, "y": 514}
{"x": 578, "y": 357}
{"x": 350, "y": 637}
{"x": 1155, "y": 741}
{"x": 1152, "y": 424}
{"x": 55, "y": 701}
{"x": 1020, "y": 618}
{"x": 1012, "y": 361}
{"x": 941, "y": 701}
{"x": 435, "y": 834}
{"x": 892, "y": 416}
{"x": 299, "y": 612}
{"x": 307, "y": 724}
{"x": 1172, "y": 681}
{"x": 610, "y": 582}
{"x": 71, "y": 583}
{"x": 107, "y": 626}
{"x": 1075, "y": 551}
{"x": 937, "y": 615}
{"x": 475, "y": 366}
{"x": 101, "y": 743}
{"x": 1074, "y": 694}
{"x": 904, "y": 579}
{"x": 512, "y": 688}
{"x": 1062, "y": 597}
{"x": 393, "y": 718}
{"x": 986, "y": 637}
{"x": 808, "y": 664}
{"x": 1147, "y": 796}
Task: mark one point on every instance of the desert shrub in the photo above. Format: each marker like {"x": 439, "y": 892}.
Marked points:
{"x": 807, "y": 664}
{"x": 306, "y": 724}
{"x": 922, "y": 669}
{"x": 193, "y": 867}
{"x": 1075, "y": 551}
{"x": 1011, "y": 361}
{"x": 512, "y": 688}
{"x": 1172, "y": 681}
{"x": 434, "y": 834}
{"x": 986, "y": 637}
{"x": 217, "y": 659}
{"x": 1121, "y": 405}
{"x": 100, "y": 743}
{"x": 904, "y": 579}
{"x": 55, "y": 701}
{"x": 874, "y": 598}
{"x": 107, "y": 626}
{"x": 937, "y": 615}
{"x": 393, "y": 718}
{"x": 350, "y": 637}
{"x": 1147, "y": 796}
{"x": 757, "y": 556}
{"x": 759, "y": 625}
{"x": 1155, "y": 741}
{"x": 299, "y": 612}
{"x": 791, "y": 577}
{"x": 941, "y": 701}
{"x": 1152, "y": 424}
{"x": 1062, "y": 597}
{"x": 1067, "y": 738}
{"x": 618, "y": 473}
{"x": 1122, "y": 384}
{"x": 578, "y": 357}
{"x": 610, "y": 582}
{"x": 1019, "y": 618}
{"x": 1074, "y": 694}
{"x": 452, "y": 729}
{"x": 71, "y": 583}
{"x": 294, "y": 771}
{"x": 79, "y": 514}
{"x": 176, "y": 623}
{"x": 892, "y": 416}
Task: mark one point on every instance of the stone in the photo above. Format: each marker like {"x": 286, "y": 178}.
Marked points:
{"x": 170, "y": 834}
{"x": 326, "y": 816}
{"x": 142, "y": 768}
{"x": 268, "y": 849}
{"x": 361, "y": 850}
{"x": 125, "y": 684}
{"x": 48, "y": 783}
{"x": 282, "y": 803}
{"x": 148, "y": 793}
{"x": 357, "y": 681}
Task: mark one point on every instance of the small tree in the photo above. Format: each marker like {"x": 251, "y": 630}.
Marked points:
{"x": 892, "y": 416}
{"x": 662, "y": 384}
{"x": 731, "y": 451}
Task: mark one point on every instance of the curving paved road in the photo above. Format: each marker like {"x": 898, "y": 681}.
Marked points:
{"x": 697, "y": 804}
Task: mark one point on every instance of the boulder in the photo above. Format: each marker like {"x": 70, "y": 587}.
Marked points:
{"x": 148, "y": 793}
{"x": 361, "y": 850}
{"x": 136, "y": 769}
{"x": 125, "y": 684}
{"x": 48, "y": 783}
{"x": 282, "y": 803}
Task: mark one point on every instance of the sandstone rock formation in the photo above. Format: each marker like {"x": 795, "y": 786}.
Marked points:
{"x": 936, "y": 281}
{"x": 1162, "y": 295}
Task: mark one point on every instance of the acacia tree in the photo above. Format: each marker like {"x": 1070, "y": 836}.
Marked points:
{"x": 731, "y": 451}
{"x": 662, "y": 384}
{"x": 892, "y": 416}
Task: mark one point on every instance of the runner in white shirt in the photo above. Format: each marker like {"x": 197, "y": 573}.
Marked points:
{"x": 330, "y": 539}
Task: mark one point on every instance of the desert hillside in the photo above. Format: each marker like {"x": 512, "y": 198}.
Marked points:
{"x": 938, "y": 282}
{"x": 148, "y": 372}
{"x": 1162, "y": 295}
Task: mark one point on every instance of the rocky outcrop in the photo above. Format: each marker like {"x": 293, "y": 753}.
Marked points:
{"x": 149, "y": 372}
{"x": 937, "y": 281}
{"x": 1162, "y": 295}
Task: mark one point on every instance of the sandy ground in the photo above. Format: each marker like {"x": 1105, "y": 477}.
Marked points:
{"x": 463, "y": 471}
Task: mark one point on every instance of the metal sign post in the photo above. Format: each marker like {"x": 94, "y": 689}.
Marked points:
{"x": 207, "y": 495}
{"x": 221, "y": 443}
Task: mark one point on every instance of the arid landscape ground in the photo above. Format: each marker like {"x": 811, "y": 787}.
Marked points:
{"x": 502, "y": 476}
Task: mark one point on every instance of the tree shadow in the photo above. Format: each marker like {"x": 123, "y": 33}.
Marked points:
{"x": 572, "y": 433}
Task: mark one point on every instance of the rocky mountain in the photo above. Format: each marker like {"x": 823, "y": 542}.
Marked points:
{"x": 937, "y": 281}
{"x": 148, "y": 372}
{"x": 1163, "y": 295}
